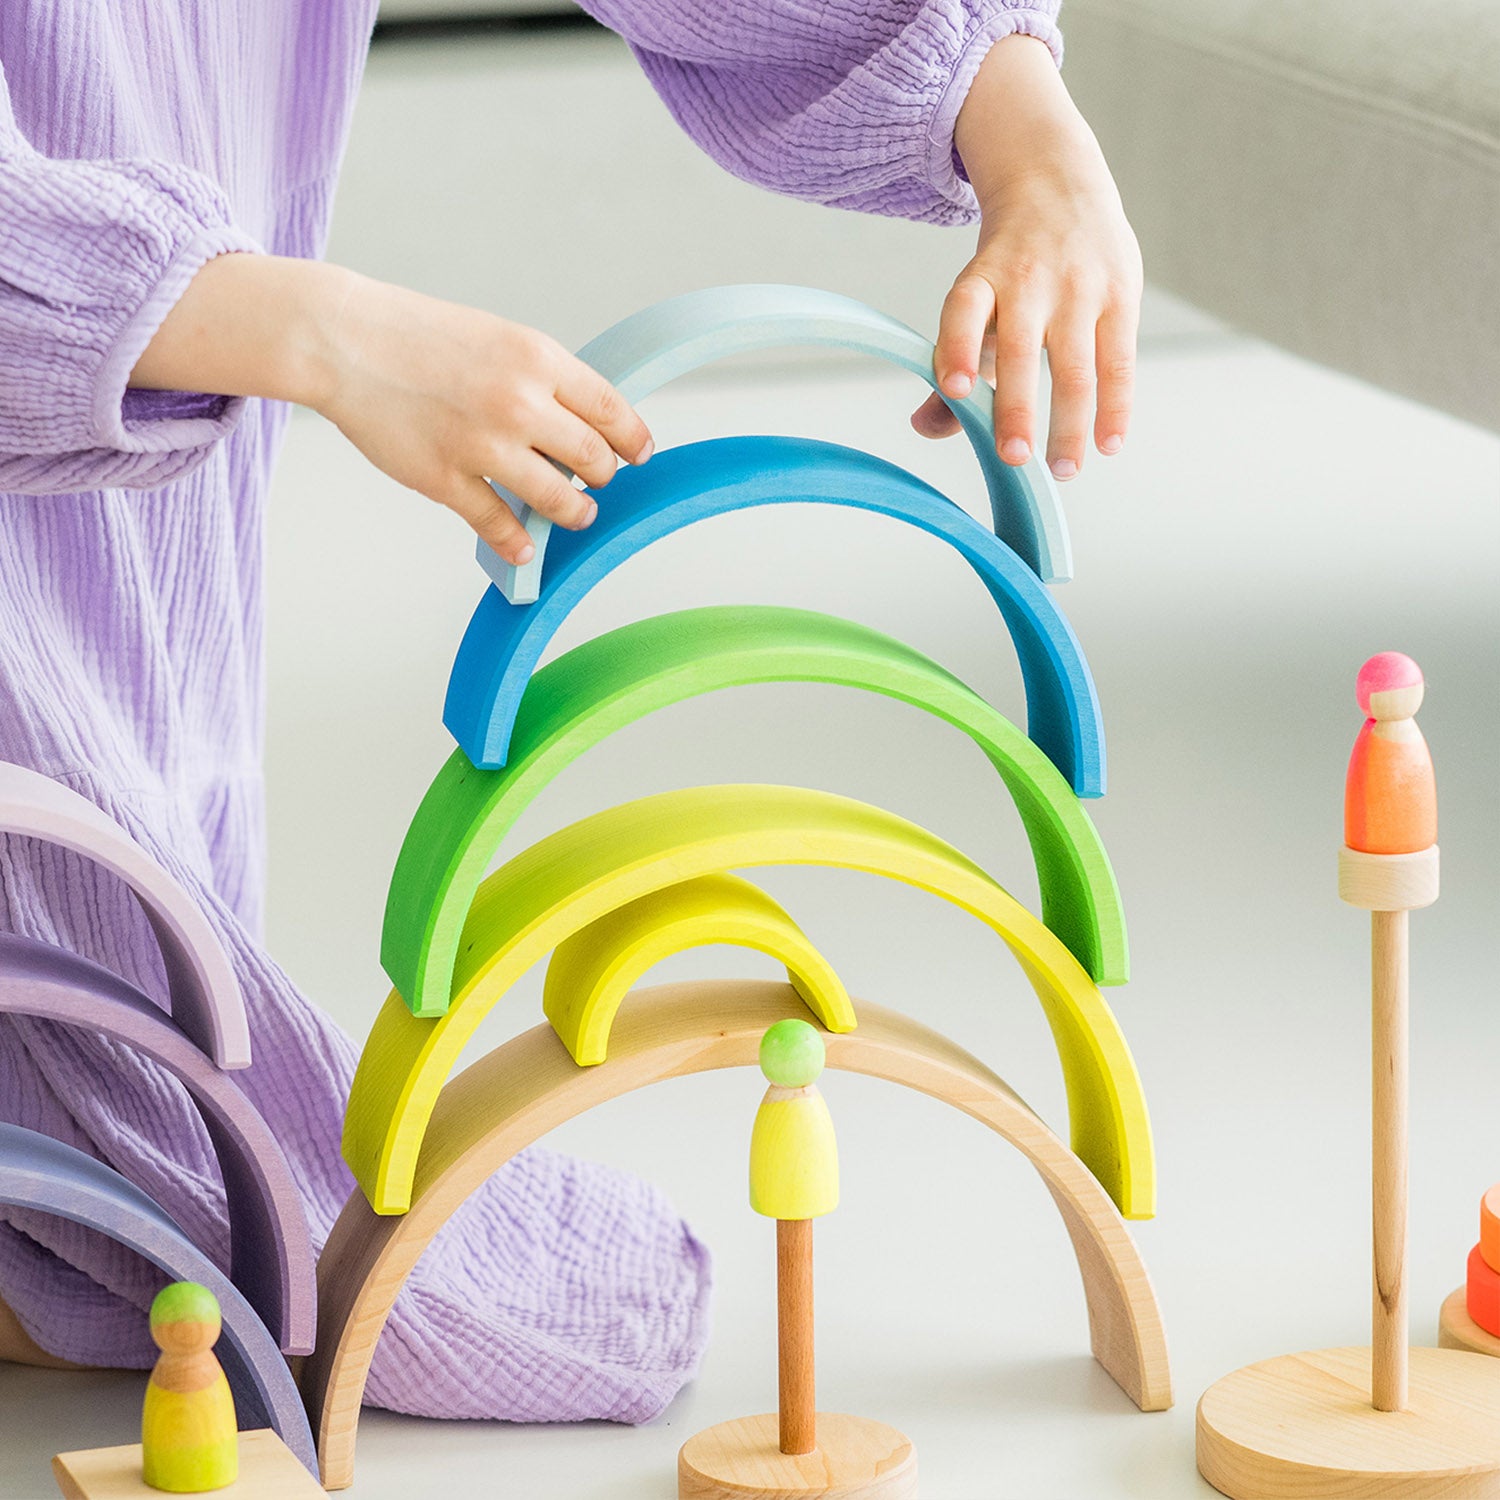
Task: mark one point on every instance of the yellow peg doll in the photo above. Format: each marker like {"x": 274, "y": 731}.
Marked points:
{"x": 794, "y": 1179}
{"x": 795, "y": 1453}
{"x": 189, "y": 1441}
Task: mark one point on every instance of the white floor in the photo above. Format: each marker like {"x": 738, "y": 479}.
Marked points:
{"x": 1268, "y": 526}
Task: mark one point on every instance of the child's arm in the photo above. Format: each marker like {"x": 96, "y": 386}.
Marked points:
{"x": 944, "y": 111}
{"x": 437, "y": 395}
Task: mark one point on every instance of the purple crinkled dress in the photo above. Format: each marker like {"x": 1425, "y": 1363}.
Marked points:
{"x": 138, "y": 139}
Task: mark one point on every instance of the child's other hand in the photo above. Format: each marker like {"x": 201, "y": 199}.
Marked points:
{"x": 1057, "y": 267}
{"x": 442, "y": 397}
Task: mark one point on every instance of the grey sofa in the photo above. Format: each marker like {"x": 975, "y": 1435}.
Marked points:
{"x": 1322, "y": 173}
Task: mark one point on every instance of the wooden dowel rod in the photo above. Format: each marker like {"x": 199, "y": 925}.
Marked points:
{"x": 794, "y": 1324}
{"x": 1389, "y": 1036}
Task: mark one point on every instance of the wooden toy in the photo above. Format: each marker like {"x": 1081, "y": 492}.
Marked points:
{"x": 794, "y": 1179}
{"x": 188, "y": 1432}
{"x": 1489, "y": 1228}
{"x": 680, "y": 486}
{"x": 269, "y": 1470}
{"x": 591, "y": 972}
{"x": 606, "y": 683}
{"x": 1388, "y": 1420}
{"x": 205, "y": 995}
{"x": 1470, "y": 1318}
{"x": 643, "y": 352}
{"x": 271, "y": 1253}
{"x": 558, "y": 885}
{"x": 515, "y": 1094}
{"x": 1482, "y": 1294}
{"x": 1457, "y": 1330}
{"x": 39, "y": 1173}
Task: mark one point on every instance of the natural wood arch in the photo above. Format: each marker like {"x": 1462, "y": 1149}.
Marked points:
{"x": 591, "y": 972}
{"x": 682, "y": 486}
{"x": 271, "y": 1256}
{"x": 520, "y": 1091}
{"x": 547, "y": 892}
{"x": 204, "y": 993}
{"x": 599, "y": 687}
{"x": 641, "y": 353}
{"x": 39, "y": 1173}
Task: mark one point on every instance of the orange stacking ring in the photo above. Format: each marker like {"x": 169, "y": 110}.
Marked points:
{"x": 1489, "y": 1227}
{"x": 1483, "y": 1298}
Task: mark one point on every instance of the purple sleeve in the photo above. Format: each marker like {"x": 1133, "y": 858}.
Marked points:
{"x": 846, "y": 102}
{"x": 92, "y": 256}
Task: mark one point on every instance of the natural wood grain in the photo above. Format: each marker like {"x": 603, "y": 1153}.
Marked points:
{"x": 547, "y": 892}
{"x": 201, "y": 983}
{"x": 1457, "y": 1330}
{"x": 795, "y": 1363}
{"x": 524, "y": 1088}
{"x": 39, "y": 1173}
{"x": 1390, "y": 1067}
{"x": 572, "y": 704}
{"x": 642, "y": 352}
{"x": 856, "y": 1459}
{"x": 268, "y": 1471}
{"x": 271, "y": 1256}
{"x": 1303, "y": 1427}
{"x": 683, "y": 486}
{"x": 1389, "y": 882}
{"x": 591, "y": 972}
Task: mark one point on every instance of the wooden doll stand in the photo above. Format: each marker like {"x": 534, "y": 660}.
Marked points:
{"x": 269, "y": 1470}
{"x": 856, "y": 1459}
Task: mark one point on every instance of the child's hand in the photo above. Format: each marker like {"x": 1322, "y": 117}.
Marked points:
{"x": 1057, "y": 266}
{"x": 441, "y": 397}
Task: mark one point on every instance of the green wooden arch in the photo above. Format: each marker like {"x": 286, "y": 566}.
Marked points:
{"x": 592, "y": 971}
{"x": 557, "y": 886}
{"x": 601, "y": 686}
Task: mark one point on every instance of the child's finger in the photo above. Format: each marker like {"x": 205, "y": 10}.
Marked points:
{"x": 589, "y": 395}
{"x": 1018, "y": 347}
{"x": 492, "y": 519}
{"x": 934, "y": 418}
{"x": 967, "y": 311}
{"x": 572, "y": 442}
{"x": 1116, "y": 365}
{"x": 1070, "y": 362}
{"x": 547, "y": 490}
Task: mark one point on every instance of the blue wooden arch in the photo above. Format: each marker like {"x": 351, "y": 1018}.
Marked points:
{"x": 641, "y": 353}
{"x": 682, "y": 485}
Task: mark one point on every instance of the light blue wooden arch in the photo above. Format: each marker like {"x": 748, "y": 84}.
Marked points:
{"x": 504, "y": 641}
{"x": 641, "y": 353}
{"x": 39, "y": 1173}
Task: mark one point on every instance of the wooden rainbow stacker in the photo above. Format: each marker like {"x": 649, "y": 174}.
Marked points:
{"x": 1387, "y": 1421}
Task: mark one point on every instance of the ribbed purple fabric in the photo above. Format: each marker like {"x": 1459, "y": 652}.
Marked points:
{"x": 137, "y": 140}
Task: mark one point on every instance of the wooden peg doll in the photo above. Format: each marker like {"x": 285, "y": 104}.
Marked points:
{"x": 794, "y": 1179}
{"x": 1390, "y": 794}
{"x": 189, "y": 1441}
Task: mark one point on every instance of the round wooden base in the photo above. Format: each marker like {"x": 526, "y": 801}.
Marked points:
{"x": 1457, "y": 1330}
{"x": 856, "y": 1459}
{"x": 1302, "y": 1426}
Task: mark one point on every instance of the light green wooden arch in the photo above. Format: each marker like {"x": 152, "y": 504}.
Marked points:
{"x": 592, "y": 971}
{"x": 559, "y": 885}
{"x": 609, "y": 682}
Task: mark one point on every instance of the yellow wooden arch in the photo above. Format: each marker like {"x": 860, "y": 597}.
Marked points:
{"x": 562, "y": 883}
{"x": 592, "y": 971}
{"x": 527, "y": 1086}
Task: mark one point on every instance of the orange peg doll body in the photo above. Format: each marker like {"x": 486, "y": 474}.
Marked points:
{"x": 1390, "y": 796}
